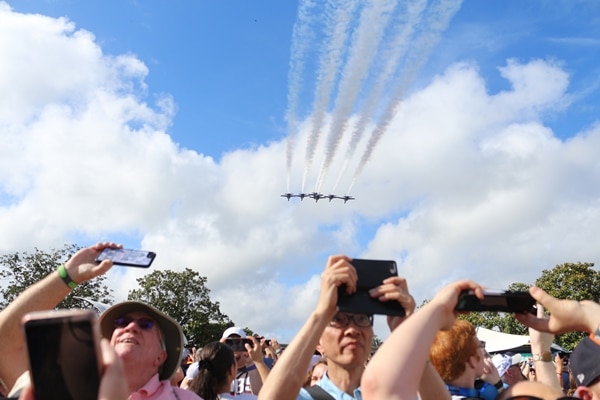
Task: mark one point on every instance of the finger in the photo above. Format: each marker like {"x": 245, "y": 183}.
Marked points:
{"x": 397, "y": 281}
{"x": 542, "y": 297}
{"x": 27, "y": 393}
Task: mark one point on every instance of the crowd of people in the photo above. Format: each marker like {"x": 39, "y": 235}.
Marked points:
{"x": 429, "y": 355}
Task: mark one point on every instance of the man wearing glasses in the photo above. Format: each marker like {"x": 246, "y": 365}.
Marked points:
{"x": 344, "y": 338}
{"x": 150, "y": 345}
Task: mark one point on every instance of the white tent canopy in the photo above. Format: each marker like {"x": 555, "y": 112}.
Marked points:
{"x": 498, "y": 342}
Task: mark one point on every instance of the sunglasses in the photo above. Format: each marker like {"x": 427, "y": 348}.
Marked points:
{"x": 145, "y": 324}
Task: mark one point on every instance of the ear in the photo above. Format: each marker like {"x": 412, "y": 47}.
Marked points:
{"x": 161, "y": 358}
{"x": 472, "y": 361}
{"x": 584, "y": 393}
{"x": 320, "y": 349}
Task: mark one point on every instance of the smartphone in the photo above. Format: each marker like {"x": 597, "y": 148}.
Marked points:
{"x": 371, "y": 274}
{"x": 497, "y": 300}
{"x": 63, "y": 347}
{"x": 127, "y": 257}
{"x": 238, "y": 344}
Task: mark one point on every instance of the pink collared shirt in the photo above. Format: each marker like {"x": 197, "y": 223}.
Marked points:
{"x": 162, "y": 390}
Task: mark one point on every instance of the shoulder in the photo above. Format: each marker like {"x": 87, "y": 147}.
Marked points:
{"x": 183, "y": 394}
{"x": 192, "y": 370}
{"x": 304, "y": 395}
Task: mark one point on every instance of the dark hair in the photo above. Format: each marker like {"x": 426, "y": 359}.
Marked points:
{"x": 216, "y": 359}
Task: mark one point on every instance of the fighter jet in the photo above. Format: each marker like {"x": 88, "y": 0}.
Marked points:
{"x": 346, "y": 198}
{"x": 331, "y": 197}
{"x": 288, "y": 195}
{"x": 316, "y": 196}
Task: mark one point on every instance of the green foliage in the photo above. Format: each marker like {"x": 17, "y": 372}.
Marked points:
{"x": 185, "y": 297}
{"x": 575, "y": 281}
{"x": 22, "y": 270}
{"x": 375, "y": 342}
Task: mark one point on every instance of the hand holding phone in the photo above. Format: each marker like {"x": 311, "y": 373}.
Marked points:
{"x": 127, "y": 257}
{"x": 498, "y": 300}
{"x": 371, "y": 273}
{"x": 64, "y": 356}
{"x": 238, "y": 344}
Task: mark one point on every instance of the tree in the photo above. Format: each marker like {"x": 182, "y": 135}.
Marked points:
{"x": 574, "y": 281}
{"x": 23, "y": 270}
{"x": 375, "y": 343}
{"x": 185, "y": 297}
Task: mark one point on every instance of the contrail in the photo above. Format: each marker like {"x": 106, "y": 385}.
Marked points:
{"x": 330, "y": 60}
{"x": 392, "y": 55}
{"x": 437, "y": 21}
{"x": 366, "y": 39}
{"x": 301, "y": 39}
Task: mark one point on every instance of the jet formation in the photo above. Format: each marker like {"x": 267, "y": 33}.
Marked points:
{"x": 317, "y": 196}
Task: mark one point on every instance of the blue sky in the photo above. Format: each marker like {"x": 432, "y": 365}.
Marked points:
{"x": 166, "y": 126}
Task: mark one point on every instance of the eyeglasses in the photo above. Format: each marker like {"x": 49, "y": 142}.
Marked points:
{"x": 482, "y": 344}
{"x": 526, "y": 397}
{"x": 145, "y": 324}
{"x": 343, "y": 320}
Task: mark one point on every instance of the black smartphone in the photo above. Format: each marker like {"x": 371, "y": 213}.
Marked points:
{"x": 127, "y": 257}
{"x": 497, "y": 300}
{"x": 371, "y": 274}
{"x": 64, "y": 354}
{"x": 238, "y": 344}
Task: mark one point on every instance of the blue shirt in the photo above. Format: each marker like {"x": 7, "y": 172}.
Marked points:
{"x": 333, "y": 390}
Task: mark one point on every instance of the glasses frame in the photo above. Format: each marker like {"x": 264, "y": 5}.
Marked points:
{"x": 350, "y": 317}
{"x": 144, "y": 323}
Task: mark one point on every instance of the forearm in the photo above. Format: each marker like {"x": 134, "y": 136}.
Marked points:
{"x": 387, "y": 376}
{"x": 591, "y": 311}
{"x": 43, "y": 295}
{"x": 432, "y": 387}
{"x": 258, "y": 376}
{"x": 287, "y": 376}
{"x": 544, "y": 370}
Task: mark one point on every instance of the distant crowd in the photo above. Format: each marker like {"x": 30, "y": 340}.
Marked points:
{"x": 429, "y": 355}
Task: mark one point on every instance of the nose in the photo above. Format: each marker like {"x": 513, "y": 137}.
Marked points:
{"x": 352, "y": 329}
{"x": 132, "y": 326}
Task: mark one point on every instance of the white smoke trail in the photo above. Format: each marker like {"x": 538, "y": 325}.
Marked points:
{"x": 436, "y": 22}
{"x": 331, "y": 55}
{"x": 301, "y": 39}
{"x": 366, "y": 39}
{"x": 391, "y": 55}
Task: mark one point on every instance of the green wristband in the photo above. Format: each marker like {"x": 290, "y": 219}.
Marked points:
{"x": 62, "y": 272}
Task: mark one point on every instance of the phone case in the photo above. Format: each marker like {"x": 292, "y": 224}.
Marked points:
{"x": 128, "y": 257}
{"x": 64, "y": 354}
{"x": 371, "y": 274}
{"x": 498, "y": 301}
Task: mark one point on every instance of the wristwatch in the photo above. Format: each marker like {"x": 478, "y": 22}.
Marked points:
{"x": 545, "y": 356}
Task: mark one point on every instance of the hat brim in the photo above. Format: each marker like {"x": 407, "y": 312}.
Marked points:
{"x": 171, "y": 331}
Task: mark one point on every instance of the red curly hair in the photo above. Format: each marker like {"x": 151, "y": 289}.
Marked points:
{"x": 452, "y": 349}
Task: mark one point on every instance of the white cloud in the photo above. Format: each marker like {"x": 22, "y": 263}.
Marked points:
{"x": 464, "y": 183}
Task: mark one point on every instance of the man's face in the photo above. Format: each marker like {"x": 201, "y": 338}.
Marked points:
{"x": 479, "y": 356}
{"x": 241, "y": 357}
{"x": 347, "y": 339}
{"x": 137, "y": 338}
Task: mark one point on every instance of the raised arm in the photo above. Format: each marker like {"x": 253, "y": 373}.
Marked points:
{"x": 288, "y": 374}
{"x": 396, "y": 369}
{"x": 43, "y": 295}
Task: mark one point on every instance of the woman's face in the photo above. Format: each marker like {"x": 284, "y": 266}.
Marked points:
{"x": 317, "y": 373}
